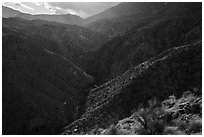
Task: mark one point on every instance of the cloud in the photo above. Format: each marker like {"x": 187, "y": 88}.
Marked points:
{"x": 38, "y": 3}
{"x": 85, "y": 8}
{"x": 25, "y": 6}
{"x": 17, "y": 5}
{"x": 82, "y": 9}
{"x": 88, "y": 7}
{"x": 57, "y": 9}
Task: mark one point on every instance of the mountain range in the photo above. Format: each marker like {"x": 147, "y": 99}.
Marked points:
{"x": 62, "y": 74}
{"x": 66, "y": 18}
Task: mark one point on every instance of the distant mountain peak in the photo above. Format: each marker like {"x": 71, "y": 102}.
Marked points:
{"x": 61, "y": 18}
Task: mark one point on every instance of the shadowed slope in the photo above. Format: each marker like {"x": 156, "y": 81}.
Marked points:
{"x": 71, "y": 41}
{"x": 41, "y": 90}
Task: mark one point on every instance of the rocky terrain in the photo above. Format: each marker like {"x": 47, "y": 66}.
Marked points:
{"x": 147, "y": 38}
{"x": 125, "y": 70}
{"x": 177, "y": 69}
{"x": 141, "y": 43}
{"x": 173, "y": 116}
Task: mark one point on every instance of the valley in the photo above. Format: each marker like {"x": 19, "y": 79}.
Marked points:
{"x": 62, "y": 74}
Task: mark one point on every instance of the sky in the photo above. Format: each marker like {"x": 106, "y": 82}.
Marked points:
{"x": 82, "y": 9}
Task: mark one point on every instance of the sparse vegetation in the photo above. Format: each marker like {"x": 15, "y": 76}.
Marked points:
{"x": 68, "y": 79}
{"x": 163, "y": 118}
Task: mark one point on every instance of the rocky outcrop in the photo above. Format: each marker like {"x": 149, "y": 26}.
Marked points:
{"x": 177, "y": 69}
{"x": 173, "y": 116}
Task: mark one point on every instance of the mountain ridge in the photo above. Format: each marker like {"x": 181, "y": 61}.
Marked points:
{"x": 62, "y": 18}
{"x": 71, "y": 41}
{"x": 78, "y": 78}
{"x": 102, "y": 109}
{"x": 41, "y": 89}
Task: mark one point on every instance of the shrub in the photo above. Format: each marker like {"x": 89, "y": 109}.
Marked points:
{"x": 172, "y": 117}
{"x": 112, "y": 130}
{"x": 182, "y": 125}
{"x": 150, "y": 119}
{"x": 142, "y": 131}
{"x": 156, "y": 127}
{"x": 122, "y": 132}
{"x": 194, "y": 127}
{"x": 94, "y": 131}
{"x": 170, "y": 130}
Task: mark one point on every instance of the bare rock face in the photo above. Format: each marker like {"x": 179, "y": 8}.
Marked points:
{"x": 177, "y": 69}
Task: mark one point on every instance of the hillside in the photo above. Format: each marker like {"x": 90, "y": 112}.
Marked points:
{"x": 71, "y": 41}
{"x": 137, "y": 13}
{"x": 8, "y": 12}
{"x": 127, "y": 70}
{"x": 142, "y": 42}
{"x": 173, "y": 116}
{"x": 171, "y": 72}
{"x": 42, "y": 91}
{"x": 64, "y": 18}
{"x": 125, "y": 8}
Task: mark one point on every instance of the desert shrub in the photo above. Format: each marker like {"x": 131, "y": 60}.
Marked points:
{"x": 170, "y": 102}
{"x": 182, "y": 125}
{"x": 167, "y": 118}
{"x": 142, "y": 131}
{"x": 194, "y": 127}
{"x": 112, "y": 130}
{"x": 172, "y": 117}
{"x": 189, "y": 123}
{"x": 172, "y": 130}
{"x": 180, "y": 132}
{"x": 156, "y": 127}
{"x": 150, "y": 119}
{"x": 122, "y": 132}
{"x": 94, "y": 131}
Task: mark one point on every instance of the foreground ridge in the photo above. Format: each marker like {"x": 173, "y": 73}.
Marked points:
{"x": 177, "y": 69}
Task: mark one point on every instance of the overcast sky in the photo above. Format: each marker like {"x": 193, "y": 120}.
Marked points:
{"x": 83, "y": 9}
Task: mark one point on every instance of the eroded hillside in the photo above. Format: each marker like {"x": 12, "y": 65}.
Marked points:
{"x": 177, "y": 69}
{"x": 69, "y": 79}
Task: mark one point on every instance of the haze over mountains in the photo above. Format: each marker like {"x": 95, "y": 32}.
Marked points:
{"x": 66, "y": 18}
{"x": 66, "y": 75}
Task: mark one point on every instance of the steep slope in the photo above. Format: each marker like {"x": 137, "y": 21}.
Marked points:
{"x": 171, "y": 72}
{"x": 122, "y": 9}
{"x": 63, "y": 18}
{"x": 141, "y": 13}
{"x": 141, "y": 43}
{"x": 71, "y": 41}
{"x": 42, "y": 91}
{"x": 8, "y": 12}
{"x": 173, "y": 116}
